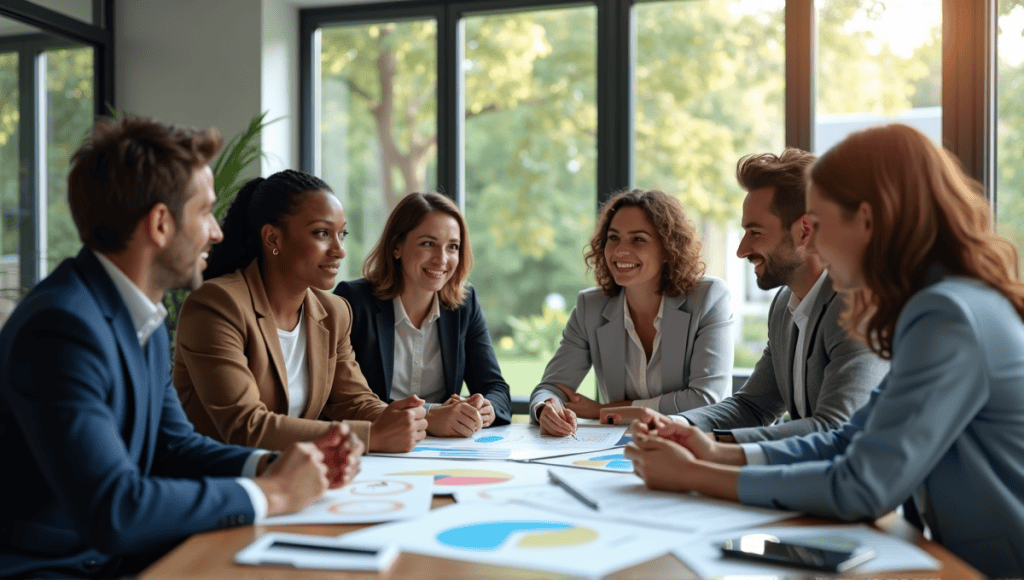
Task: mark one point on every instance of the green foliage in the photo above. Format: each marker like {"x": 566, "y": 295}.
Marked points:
{"x": 235, "y": 163}
{"x": 232, "y": 168}
{"x": 535, "y": 337}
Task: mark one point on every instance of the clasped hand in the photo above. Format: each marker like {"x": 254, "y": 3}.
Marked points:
{"x": 460, "y": 417}
{"x": 306, "y": 470}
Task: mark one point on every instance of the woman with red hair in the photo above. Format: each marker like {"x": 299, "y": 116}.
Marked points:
{"x": 930, "y": 287}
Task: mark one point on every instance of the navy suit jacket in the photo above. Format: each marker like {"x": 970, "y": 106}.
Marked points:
{"x": 466, "y": 351}
{"x": 99, "y": 459}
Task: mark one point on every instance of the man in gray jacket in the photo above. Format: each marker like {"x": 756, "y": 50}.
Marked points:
{"x": 811, "y": 368}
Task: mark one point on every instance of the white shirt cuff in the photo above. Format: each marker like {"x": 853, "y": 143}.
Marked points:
{"x": 681, "y": 419}
{"x": 755, "y": 455}
{"x": 259, "y": 501}
{"x": 651, "y": 404}
{"x": 249, "y": 468}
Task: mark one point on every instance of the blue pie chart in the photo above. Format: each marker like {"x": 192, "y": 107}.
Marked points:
{"x": 490, "y": 536}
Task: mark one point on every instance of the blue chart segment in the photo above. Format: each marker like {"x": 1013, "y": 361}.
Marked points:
{"x": 489, "y": 536}
{"x": 611, "y": 461}
{"x": 489, "y": 439}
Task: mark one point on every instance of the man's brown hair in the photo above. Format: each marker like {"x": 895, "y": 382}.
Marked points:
{"x": 128, "y": 166}
{"x": 786, "y": 173}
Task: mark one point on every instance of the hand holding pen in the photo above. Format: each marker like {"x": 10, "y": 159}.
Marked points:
{"x": 556, "y": 420}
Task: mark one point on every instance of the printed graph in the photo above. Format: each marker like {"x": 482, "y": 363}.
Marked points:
{"x": 615, "y": 461}
{"x": 490, "y": 536}
{"x": 461, "y": 452}
{"x": 461, "y": 477}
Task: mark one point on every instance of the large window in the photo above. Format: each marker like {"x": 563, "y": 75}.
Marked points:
{"x": 1010, "y": 121}
{"x": 378, "y": 122}
{"x": 54, "y": 78}
{"x": 545, "y": 108}
{"x": 9, "y": 226}
{"x": 530, "y": 153}
{"x": 878, "y": 62}
{"x": 692, "y": 122}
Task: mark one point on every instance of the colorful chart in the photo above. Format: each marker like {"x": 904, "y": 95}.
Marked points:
{"x": 490, "y": 536}
{"x": 462, "y": 452}
{"x": 379, "y": 487}
{"x": 367, "y": 507}
{"x": 612, "y": 461}
{"x": 461, "y": 476}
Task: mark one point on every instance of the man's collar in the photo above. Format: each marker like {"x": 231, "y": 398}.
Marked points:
{"x": 146, "y": 315}
{"x": 802, "y": 307}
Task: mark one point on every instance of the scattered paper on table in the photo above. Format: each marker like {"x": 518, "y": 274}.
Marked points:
{"x": 613, "y": 460}
{"x": 367, "y": 501}
{"x": 624, "y": 498}
{"x": 518, "y": 441}
{"x": 451, "y": 476}
{"x": 524, "y": 537}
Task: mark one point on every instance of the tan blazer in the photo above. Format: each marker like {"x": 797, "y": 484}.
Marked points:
{"x": 230, "y": 374}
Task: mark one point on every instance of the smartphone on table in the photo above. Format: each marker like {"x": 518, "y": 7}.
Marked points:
{"x": 827, "y": 553}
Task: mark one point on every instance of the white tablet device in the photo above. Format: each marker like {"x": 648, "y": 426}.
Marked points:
{"x": 323, "y": 552}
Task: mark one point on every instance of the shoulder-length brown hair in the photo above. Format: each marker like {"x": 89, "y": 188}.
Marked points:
{"x": 925, "y": 210}
{"x": 683, "y": 266}
{"x": 385, "y": 273}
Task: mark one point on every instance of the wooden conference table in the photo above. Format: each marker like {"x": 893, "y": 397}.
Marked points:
{"x": 211, "y": 554}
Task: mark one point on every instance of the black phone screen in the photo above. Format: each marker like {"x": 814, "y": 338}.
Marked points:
{"x": 830, "y": 556}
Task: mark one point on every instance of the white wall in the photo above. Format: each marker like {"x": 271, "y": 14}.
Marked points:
{"x": 193, "y": 62}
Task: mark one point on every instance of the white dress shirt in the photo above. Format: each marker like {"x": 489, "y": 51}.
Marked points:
{"x": 643, "y": 376}
{"x": 146, "y": 317}
{"x": 801, "y": 310}
{"x": 418, "y": 368}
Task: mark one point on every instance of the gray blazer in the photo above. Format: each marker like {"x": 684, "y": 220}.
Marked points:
{"x": 838, "y": 379}
{"x": 946, "y": 422}
{"x": 696, "y": 342}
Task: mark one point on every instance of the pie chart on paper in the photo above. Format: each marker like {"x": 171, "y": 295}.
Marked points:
{"x": 490, "y": 536}
{"x": 462, "y": 477}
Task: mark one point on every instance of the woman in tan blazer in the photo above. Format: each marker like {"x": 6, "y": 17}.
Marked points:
{"x": 263, "y": 355}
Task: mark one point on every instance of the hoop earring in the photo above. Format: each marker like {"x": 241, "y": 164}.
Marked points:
{"x": 274, "y": 251}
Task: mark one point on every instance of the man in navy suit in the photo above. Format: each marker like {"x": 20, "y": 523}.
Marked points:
{"x": 103, "y": 470}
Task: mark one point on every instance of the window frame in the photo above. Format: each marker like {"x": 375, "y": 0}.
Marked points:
{"x": 57, "y": 31}
{"x": 968, "y": 82}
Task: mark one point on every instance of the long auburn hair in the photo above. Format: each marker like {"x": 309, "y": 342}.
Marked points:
{"x": 683, "y": 267}
{"x": 925, "y": 210}
{"x": 384, "y": 272}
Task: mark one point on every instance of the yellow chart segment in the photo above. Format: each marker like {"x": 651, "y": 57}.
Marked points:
{"x": 571, "y": 537}
{"x": 588, "y": 463}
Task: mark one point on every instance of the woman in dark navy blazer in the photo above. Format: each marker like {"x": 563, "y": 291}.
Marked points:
{"x": 417, "y": 328}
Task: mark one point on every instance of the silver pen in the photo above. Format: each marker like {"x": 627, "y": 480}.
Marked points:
{"x": 573, "y": 491}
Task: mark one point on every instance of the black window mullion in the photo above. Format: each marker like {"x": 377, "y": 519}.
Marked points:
{"x": 615, "y": 56}
{"x": 31, "y": 198}
{"x": 450, "y": 106}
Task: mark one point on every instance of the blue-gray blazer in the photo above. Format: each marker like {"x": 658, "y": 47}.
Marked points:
{"x": 947, "y": 420}
{"x": 696, "y": 341}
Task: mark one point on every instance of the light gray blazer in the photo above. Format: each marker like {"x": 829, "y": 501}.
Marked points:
{"x": 948, "y": 419}
{"x": 696, "y": 343}
{"x": 838, "y": 378}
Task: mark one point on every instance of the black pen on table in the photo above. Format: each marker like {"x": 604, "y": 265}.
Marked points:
{"x": 573, "y": 491}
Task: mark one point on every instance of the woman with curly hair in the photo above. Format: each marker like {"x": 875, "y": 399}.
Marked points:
{"x": 933, "y": 289}
{"x": 656, "y": 330}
